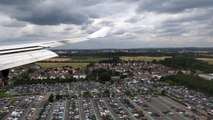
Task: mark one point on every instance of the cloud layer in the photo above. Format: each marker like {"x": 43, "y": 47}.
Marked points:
{"x": 135, "y": 23}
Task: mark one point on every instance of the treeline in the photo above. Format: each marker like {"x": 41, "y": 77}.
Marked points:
{"x": 151, "y": 53}
{"x": 117, "y": 54}
{"x": 111, "y": 60}
{"x": 182, "y": 62}
{"x": 101, "y": 75}
{"x": 192, "y": 82}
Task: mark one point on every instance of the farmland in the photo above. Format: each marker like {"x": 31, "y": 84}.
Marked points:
{"x": 58, "y": 59}
{"x": 87, "y": 59}
{"x": 83, "y": 61}
{"x": 209, "y": 60}
{"x": 61, "y": 64}
{"x": 143, "y": 58}
{"x": 77, "y": 59}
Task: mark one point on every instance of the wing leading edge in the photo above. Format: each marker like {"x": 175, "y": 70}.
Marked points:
{"x": 17, "y": 55}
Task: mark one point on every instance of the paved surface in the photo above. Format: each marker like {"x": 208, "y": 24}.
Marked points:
{"x": 164, "y": 107}
{"x": 81, "y": 110}
{"x": 94, "y": 105}
{"x": 21, "y": 101}
{"x": 158, "y": 105}
{"x": 173, "y": 103}
{"x": 113, "y": 114}
{"x": 40, "y": 106}
{"x": 155, "y": 109}
{"x": 110, "y": 111}
{"x": 131, "y": 116}
{"x": 140, "y": 108}
{"x": 49, "y": 117}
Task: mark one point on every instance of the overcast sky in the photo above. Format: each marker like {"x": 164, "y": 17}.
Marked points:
{"x": 134, "y": 23}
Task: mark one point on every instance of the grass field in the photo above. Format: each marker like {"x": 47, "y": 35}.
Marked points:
{"x": 58, "y": 59}
{"x": 80, "y": 59}
{"x": 143, "y": 58}
{"x": 209, "y": 60}
{"x": 2, "y": 94}
{"x": 51, "y": 65}
{"x": 87, "y": 59}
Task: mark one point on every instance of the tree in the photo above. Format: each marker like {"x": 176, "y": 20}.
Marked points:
{"x": 163, "y": 92}
{"x": 104, "y": 77}
{"x": 192, "y": 82}
{"x": 91, "y": 77}
{"x": 123, "y": 76}
{"x": 87, "y": 94}
{"x": 182, "y": 62}
{"x": 106, "y": 93}
{"x": 58, "y": 97}
{"x": 51, "y": 98}
{"x": 128, "y": 93}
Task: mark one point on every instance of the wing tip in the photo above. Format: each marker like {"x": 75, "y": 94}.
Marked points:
{"x": 101, "y": 33}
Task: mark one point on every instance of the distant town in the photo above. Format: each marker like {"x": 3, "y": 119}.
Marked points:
{"x": 112, "y": 84}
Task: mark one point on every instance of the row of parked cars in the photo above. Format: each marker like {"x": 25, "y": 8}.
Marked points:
{"x": 134, "y": 111}
{"x": 45, "y": 111}
{"x": 74, "y": 113}
{"x": 88, "y": 110}
{"x": 118, "y": 109}
{"x": 194, "y": 99}
{"x": 20, "y": 109}
{"x": 102, "y": 109}
{"x": 59, "y": 110}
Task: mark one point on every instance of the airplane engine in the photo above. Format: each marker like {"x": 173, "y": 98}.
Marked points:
{"x": 33, "y": 67}
{"x": 4, "y": 73}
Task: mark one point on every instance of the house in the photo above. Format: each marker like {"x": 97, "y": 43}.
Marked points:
{"x": 82, "y": 76}
{"x": 206, "y": 76}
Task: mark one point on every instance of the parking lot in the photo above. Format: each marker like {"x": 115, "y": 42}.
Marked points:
{"x": 115, "y": 108}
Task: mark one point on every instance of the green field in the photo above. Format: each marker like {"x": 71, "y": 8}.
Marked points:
{"x": 209, "y": 60}
{"x": 143, "y": 58}
{"x": 87, "y": 59}
{"x": 51, "y": 64}
{"x": 2, "y": 94}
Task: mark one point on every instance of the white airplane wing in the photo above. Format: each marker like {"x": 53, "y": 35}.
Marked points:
{"x": 17, "y": 55}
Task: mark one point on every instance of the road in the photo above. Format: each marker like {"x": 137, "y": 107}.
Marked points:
{"x": 173, "y": 103}
{"x": 131, "y": 116}
{"x": 40, "y": 106}
{"x": 8, "y": 114}
{"x": 95, "y": 108}
{"x": 139, "y": 108}
{"x": 154, "y": 108}
{"x": 164, "y": 107}
{"x": 110, "y": 111}
{"x": 113, "y": 114}
{"x": 49, "y": 116}
{"x": 81, "y": 109}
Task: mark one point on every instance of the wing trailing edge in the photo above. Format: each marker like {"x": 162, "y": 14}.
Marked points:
{"x": 17, "y": 59}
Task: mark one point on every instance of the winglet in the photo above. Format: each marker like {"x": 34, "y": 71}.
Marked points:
{"x": 100, "y": 33}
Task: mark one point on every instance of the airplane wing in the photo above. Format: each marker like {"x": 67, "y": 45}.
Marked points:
{"x": 17, "y": 55}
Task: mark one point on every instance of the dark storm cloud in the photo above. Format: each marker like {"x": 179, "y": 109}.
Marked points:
{"x": 172, "y": 6}
{"x": 171, "y": 31}
{"x": 185, "y": 22}
{"x": 54, "y": 17}
{"x": 42, "y": 12}
{"x": 199, "y": 16}
{"x": 17, "y": 2}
